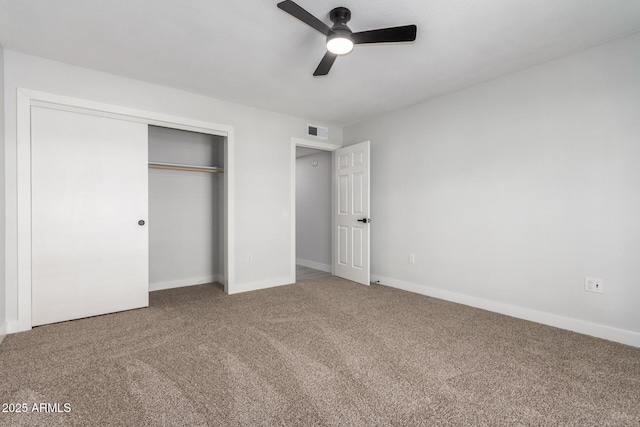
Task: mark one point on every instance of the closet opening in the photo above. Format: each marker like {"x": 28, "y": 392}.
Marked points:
{"x": 186, "y": 208}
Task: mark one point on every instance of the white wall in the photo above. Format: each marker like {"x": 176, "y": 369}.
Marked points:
{"x": 3, "y": 324}
{"x": 511, "y": 192}
{"x": 313, "y": 211}
{"x": 262, "y": 160}
{"x": 184, "y": 235}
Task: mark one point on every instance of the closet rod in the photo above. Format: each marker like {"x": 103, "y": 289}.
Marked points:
{"x": 177, "y": 167}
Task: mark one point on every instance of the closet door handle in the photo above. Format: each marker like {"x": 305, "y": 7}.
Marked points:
{"x": 141, "y": 222}
{"x": 365, "y": 220}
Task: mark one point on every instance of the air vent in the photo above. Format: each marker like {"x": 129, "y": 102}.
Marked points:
{"x": 318, "y": 131}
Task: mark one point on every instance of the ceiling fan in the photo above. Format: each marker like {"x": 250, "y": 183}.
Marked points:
{"x": 340, "y": 38}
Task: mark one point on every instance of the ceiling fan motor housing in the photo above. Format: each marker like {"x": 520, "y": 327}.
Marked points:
{"x": 340, "y": 16}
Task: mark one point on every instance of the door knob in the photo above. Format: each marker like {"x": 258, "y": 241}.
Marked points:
{"x": 365, "y": 220}
{"x": 141, "y": 222}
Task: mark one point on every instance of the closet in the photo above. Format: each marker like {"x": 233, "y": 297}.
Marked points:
{"x": 119, "y": 207}
{"x": 185, "y": 208}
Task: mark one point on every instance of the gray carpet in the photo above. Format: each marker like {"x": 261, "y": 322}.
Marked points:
{"x": 326, "y": 352}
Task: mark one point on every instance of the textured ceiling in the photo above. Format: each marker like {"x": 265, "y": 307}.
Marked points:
{"x": 252, "y": 53}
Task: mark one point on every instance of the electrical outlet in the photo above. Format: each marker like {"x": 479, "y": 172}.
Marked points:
{"x": 412, "y": 258}
{"x": 592, "y": 284}
{"x": 249, "y": 257}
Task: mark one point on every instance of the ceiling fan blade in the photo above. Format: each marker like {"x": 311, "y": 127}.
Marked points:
{"x": 297, "y": 12}
{"x": 325, "y": 65}
{"x": 406, "y": 33}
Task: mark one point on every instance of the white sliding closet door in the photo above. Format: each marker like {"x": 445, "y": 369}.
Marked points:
{"x": 89, "y": 192}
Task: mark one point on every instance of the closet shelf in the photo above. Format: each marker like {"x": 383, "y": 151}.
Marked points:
{"x": 179, "y": 167}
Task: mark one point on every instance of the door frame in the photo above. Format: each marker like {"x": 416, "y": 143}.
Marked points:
{"x": 27, "y": 98}
{"x": 318, "y": 145}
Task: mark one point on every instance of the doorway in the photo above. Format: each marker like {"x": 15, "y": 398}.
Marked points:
{"x": 312, "y": 222}
{"x": 350, "y": 221}
{"x": 313, "y": 214}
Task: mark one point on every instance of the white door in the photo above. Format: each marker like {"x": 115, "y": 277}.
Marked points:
{"x": 351, "y": 215}
{"x": 89, "y": 192}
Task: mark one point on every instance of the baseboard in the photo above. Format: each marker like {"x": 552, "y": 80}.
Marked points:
{"x": 13, "y": 326}
{"x": 180, "y": 283}
{"x": 263, "y": 284}
{"x": 593, "y": 329}
{"x": 315, "y": 265}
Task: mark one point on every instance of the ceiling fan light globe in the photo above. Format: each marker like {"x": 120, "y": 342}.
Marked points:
{"x": 339, "y": 45}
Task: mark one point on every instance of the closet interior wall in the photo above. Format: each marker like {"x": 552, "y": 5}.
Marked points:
{"x": 185, "y": 209}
